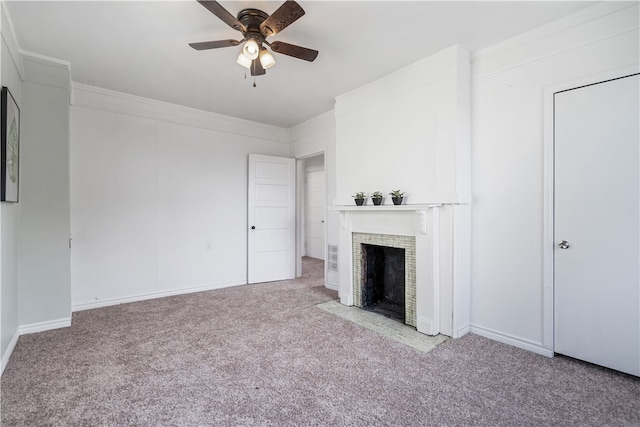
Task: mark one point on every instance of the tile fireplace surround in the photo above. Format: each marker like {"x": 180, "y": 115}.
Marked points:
{"x": 426, "y": 234}
{"x": 408, "y": 243}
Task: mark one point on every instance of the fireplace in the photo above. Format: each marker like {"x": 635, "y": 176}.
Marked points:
{"x": 383, "y": 287}
{"x": 435, "y": 260}
{"x": 384, "y": 268}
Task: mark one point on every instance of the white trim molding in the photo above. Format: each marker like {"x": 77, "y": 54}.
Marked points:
{"x": 522, "y": 343}
{"x": 331, "y": 286}
{"x": 49, "y": 325}
{"x": 9, "y": 38}
{"x": 31, "y": 329}
{"x": 9, "y": 352}
{"x": 46, "y": 71}
{"x": 603, "y": 21}
{"x": 320, "y": 123}
{"x": 123, "y": 103}
{"x": 149, "y": 296}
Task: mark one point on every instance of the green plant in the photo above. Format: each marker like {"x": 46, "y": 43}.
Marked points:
{"x": 396, "y": 193}
{"x": 360, "y": 195}
{"x": 376, "y": 195}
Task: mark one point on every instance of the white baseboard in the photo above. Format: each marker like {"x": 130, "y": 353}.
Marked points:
{"x": 7, "y": 354}
{"x": 464, "y": 330}
{"x": 31, "y": 328}
{"x": 44, "y": 326}
{"x": 512, "y": 340}
{"x": 332, "y": 286}
{"x": 153, "y": 295}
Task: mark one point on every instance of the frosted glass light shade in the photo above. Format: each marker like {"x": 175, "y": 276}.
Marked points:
{"x": 244, "y": 61}
{"x": 266, "y": 59}
{"x": 251, "y": 49}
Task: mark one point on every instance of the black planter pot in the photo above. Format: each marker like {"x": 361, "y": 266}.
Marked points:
{"x": 359, "y": 202}
{"x": 397, "y": 200}
{"x": 377, "y": 200}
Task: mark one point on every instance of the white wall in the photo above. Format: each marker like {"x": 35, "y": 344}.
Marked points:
{"x": 508, "y": 84}
{"x": 158, "y": 196}
{"x": 402, "y": 132}
{"x": 9, "y": 212}
{"x": 44, "y": 273}
{"x": 318, "y": 135}
{"x": 35, "y": 287}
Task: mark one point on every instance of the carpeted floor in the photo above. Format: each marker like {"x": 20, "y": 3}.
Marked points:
{"x": 265, "y": 355}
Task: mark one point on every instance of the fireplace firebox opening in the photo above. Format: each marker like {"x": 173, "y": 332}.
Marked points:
{"x": 383, "y": 287}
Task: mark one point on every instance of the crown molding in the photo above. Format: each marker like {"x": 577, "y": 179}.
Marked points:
{"x": 607, "y": 20}
{"x": 45, "y": 70}
{"x": 10, "y": 40}
{"x": 318, "y": 124}
{"x": 97, "y": 98}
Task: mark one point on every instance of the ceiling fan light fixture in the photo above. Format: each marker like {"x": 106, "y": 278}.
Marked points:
{"x": 255, "y": 25}
{"x": 251, "y": 49}
{"x": 266, "y": 58}
{"x": 243, "y": 60}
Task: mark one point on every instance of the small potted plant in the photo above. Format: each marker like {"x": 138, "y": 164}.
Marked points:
{"x": 360, "y": 198}
{"x": 376, "y": 197}
{"x": 396, "y": 196}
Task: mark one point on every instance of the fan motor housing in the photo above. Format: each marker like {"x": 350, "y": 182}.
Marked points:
{"x": 251, "y": 19}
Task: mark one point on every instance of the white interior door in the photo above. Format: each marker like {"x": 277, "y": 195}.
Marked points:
{"x": 271, "y": 214}
{"x": 597, "y": 231}
{"x": 314, "y": 214}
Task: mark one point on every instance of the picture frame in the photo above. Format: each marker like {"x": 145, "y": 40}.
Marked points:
{"x": 9, "y": 147}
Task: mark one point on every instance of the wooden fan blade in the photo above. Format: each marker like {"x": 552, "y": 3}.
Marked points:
{"x": 214, "y": 45}
{"x": 224, "y": 15}
{"x": 256, "y": 68}
{"x": 295, "y": 51}
{"x": 284, "y": 16}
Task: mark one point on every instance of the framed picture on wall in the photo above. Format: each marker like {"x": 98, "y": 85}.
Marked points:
{"x": 9, "y": 146}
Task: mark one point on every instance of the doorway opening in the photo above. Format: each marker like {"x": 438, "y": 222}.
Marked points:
{"x": 312, "y": 214}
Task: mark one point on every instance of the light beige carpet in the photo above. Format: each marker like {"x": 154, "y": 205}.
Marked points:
{"x": 384, "y": 326}
{"x": 265, "y": 355}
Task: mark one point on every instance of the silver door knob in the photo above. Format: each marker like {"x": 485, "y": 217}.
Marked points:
{"x": 563, "y": 244}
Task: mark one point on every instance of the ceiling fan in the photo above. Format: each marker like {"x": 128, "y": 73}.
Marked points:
{"x": 255, "y": 26}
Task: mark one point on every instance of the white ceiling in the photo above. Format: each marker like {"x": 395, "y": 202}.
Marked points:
{"x": 141, "y": 47}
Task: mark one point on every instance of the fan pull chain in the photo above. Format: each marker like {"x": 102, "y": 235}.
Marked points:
{"x": 253, "y": 64}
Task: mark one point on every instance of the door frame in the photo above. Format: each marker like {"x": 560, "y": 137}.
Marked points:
{"x": 548, "y": 191}
{"x": 305, "y": 213}
{"x": 300, "y": 201}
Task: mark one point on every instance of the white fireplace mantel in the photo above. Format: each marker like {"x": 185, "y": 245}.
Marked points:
{"x": 423, "y": 223}
{"x": 384, "y": 207}
{"x": 421, "y": 210}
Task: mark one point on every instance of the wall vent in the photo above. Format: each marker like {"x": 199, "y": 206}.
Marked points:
{"x": 332, "y": 257}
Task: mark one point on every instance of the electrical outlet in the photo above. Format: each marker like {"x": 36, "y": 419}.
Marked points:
{"x": 208, "y": 246}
